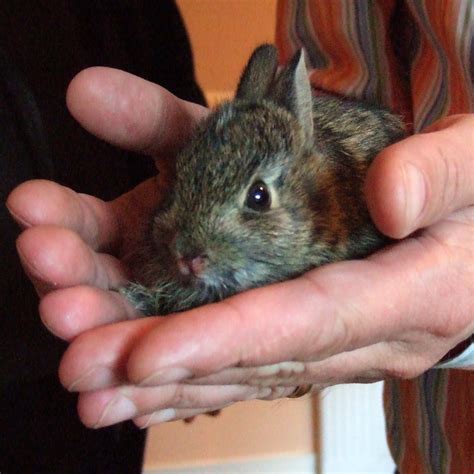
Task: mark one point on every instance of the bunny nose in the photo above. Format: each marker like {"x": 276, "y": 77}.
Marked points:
{"x": 192, "y": 265}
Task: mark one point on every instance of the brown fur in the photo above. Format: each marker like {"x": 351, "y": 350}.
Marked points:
{"x": 311, "y": 152}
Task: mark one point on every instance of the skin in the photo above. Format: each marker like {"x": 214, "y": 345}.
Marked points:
{"x": 394, "y": 314}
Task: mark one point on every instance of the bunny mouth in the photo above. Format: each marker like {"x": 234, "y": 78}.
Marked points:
{"x": 180, "y": 292}
{"x": 210, "y": 283}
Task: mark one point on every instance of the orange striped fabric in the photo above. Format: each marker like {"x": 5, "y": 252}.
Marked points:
{"x": 412, "y": 56}
{"x": 417, "y": 58}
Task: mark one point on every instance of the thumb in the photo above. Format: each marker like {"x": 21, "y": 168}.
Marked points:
{"x": 131, "y": 112}
{"x": 418, "y": 181}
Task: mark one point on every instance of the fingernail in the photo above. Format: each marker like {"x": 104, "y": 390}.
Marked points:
{"x": 118, "y": 409}
{"x": 415, "y": 194}
{"x": 253, "y": 392}
{"x": 264, "y": 392}
{"x": 161, "y": 416}
{"x": 165, "y": 376}
{"x": 96, "y": 377}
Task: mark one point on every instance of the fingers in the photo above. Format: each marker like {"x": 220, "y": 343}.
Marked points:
{"x": 151, "y": 405}
{"x": 172, "y": 414}
{"x": 96, "y": 359}
{"x": 49, "y": 253}
{"x": 41, "y": 202}
{"x": 106, "y": 407}
{"x": 368, "y": 364}
{"x": 285, "y": 374}
{"x": 417, "y": 181}
{"x": 71, "y": 311}
{"x": 66, "y": 227}
{"x": 130, "y": 112}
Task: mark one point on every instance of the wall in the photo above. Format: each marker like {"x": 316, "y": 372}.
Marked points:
{"x": 247, "y": 433}
{"x": 224, "y": 33}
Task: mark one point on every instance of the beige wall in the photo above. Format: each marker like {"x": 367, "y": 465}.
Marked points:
{"x": 246, "y": 431}
{"x": 223, "y": 34}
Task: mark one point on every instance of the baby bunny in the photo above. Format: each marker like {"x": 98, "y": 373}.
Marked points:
{"x": 270, "y": 186}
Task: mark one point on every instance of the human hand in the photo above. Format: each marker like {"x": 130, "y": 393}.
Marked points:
{"x": 353, "y": 321}
{"x": 67, "y": 230}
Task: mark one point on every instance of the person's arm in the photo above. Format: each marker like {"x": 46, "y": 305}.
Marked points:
{"x": 394, "y": 314}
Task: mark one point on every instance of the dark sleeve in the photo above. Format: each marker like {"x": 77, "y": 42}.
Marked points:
{"x": 24, "y": 155}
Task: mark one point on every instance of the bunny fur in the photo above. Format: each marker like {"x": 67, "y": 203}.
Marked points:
{"x": 310, "y": 152}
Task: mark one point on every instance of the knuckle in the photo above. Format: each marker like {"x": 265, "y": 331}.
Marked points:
{"x": 180, "y": 397}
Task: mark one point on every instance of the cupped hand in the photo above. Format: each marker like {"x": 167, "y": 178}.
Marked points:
{"x": 79, "y": 244}
{"x": 394, "y": 314}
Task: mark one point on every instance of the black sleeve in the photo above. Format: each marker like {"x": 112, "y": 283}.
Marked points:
{"x": 43, "y": 44}
{"x": 24, "y": 155}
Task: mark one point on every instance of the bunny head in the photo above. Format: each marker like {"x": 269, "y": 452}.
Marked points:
{"x": 238, "y": 215}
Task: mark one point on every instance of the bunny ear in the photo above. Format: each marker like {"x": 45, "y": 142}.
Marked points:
{"x": 292, "y": 90}
{"x": 258, "y": 74}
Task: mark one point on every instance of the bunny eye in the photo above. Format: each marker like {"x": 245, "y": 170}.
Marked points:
{"x": 258, "y": 197}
